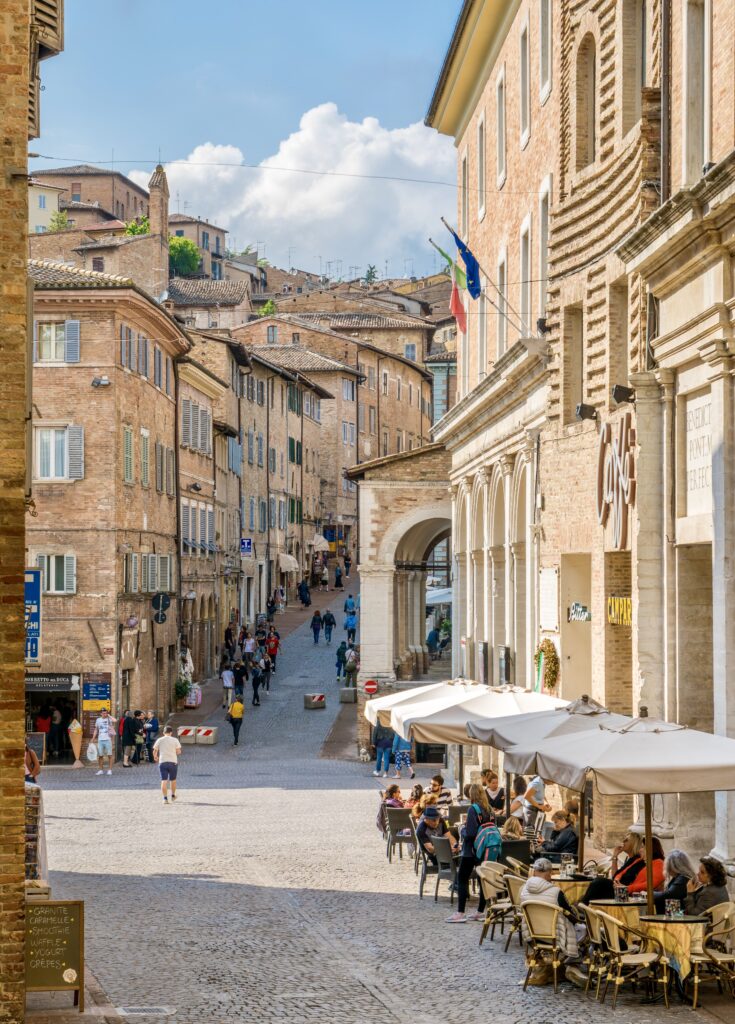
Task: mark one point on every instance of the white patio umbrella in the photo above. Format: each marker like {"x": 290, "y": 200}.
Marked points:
{"x": 519, "y": 737}
{"x": 444, "y": 720}
{"x": 379, "y": 708}
{"x": 645, "y": 756}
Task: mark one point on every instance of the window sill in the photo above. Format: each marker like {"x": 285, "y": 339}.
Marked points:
{"x": 501, "y": 179}
{"x": 44, "y": 481}
{"x": 544, "y": 93}
{"x": 480, "y": 219}
{"x": 525, "y": 138}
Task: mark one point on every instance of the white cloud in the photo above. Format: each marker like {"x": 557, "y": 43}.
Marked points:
{"x": 355, "y": 220}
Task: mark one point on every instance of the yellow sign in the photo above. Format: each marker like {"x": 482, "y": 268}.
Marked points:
{"x": 620, "y": 611}
{"x": 96, "y": 705}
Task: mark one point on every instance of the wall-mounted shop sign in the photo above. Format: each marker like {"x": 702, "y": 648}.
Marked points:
{"x": 578, "y": 613}
{"x": 616, "y": 478}
{"x": 620, "y": 611}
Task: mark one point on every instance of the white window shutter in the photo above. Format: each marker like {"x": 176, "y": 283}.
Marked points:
{"x": 194, "y": 425}
{"x": 75, "y": 454}
{"x": 35, "y": 341}
{"x": 164, "y": 572}
{"x": 152, "y": 573}
{"x": 169, "y": 471}
{"x": 185, "y": 524}
{"x": 41, "y": 563}
{"x": 70, "y": 574}
{"x": 144, "y": 573}
{"x": 134, "y": 573}
{"x": 203, "y": 527}
{"x": 71, "y": 341}
{"x": 186, "y": 422}
{"x": 145, "y": 445}
{"x": 145, "y": 357}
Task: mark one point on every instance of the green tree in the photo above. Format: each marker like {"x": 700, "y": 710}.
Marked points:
{"x": 183, "y": 255}
{"x": 371, "y": 274}
{"x": 138, "y": 226}
{"x": 59, "y": 221}
{"x": 268, "y": 309}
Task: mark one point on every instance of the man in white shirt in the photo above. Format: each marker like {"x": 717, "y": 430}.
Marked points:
{"x": 228, "y": 682}
{"x": 166, "y": 752}
{"x": 103, "y": 733}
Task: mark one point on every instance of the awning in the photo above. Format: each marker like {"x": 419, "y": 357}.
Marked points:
{"x": 320, "y": 543}
{"x": 287, "y": 563}
{"x": 442, "y": 595}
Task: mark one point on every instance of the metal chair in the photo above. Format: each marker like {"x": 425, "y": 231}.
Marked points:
{"x": 543, "y": 945}
{"x": 446, "y": 865}
{"x": 399, "y": 821}
{"x": 455, "y": 812}
{"x": 625, "y": 965}
{"x": 427, "y": 867}
{"x": 596, "y": 956}
{"x": 517, "y": 866}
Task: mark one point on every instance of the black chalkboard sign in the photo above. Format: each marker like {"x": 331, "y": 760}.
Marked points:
{"x": 37, "y": 742}
{"x": 55, "y": 947}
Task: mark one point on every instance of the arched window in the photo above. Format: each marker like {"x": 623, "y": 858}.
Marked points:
{"x": 586, "y": 102}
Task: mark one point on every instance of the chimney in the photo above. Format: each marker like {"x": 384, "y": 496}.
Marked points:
{"x": 158, "y": 216}
{"x": 158, "y": 203}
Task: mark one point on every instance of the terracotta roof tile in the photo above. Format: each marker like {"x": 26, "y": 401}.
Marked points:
{"x": 294, "y": 357}
{"x": 46, "y": 273}
{"x": 356, "y": 321}
{"x": 197, "y": 291}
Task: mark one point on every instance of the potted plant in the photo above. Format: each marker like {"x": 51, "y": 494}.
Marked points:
{"x": 547, "y": 664}
{"x": 181, "y": 688}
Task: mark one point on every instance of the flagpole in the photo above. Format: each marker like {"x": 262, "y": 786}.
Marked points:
{"x": 503, "y": 297}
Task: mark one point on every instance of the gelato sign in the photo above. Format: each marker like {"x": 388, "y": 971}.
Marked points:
{"x": 698, "y": 454}
{"x": 616, "y": 479}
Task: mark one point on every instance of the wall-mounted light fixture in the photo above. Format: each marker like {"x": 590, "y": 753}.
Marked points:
{"x": 585, "y": 412}
{"x": 101, "y": 382}
{"x": 621, "y": 394}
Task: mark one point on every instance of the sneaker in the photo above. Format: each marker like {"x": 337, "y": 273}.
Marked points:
{"x": 100, "y": 772}
{"x": 173, "y": 796}
{"x": 109, "y": 771}
{"x": 477, "y": 916}
{"x": 385, "y": 775}
{"x": 376, "y": 774}
{"x": 456, "y": 919}
{"x": 165, "y": 799}
{"x": 577, "y": 976}
{"x": 412, "y": 775}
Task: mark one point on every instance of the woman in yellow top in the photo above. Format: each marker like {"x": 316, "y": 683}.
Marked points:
{"x": 234, "y": 715}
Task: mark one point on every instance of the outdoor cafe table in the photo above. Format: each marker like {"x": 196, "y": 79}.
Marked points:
{"x": 628, "y": 914}
{"x": 680, "y": 936}
{"x": 573, "y": 888}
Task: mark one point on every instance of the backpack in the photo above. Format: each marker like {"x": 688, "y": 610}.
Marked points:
{"x": 487, "y": 845}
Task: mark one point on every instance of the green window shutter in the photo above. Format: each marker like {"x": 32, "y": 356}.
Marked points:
{"x": 186, "y": 422}
{"x": 298, "y": 453}
{"x": 123, "y": 345}
{"x": 159, "y": 467}
{"x": 128, "y": 455}
{"x": 185, "y": 520}
{"x": 169, "y": 471}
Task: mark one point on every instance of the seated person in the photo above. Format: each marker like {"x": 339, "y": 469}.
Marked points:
{"x": 432, "y": 824}
{"x": 432, "y": 640}
{"x": 563, "y": 839}
{"x": 392, "y": 797}
{"x": 572, "y": 809}
{"x": 678, "y": 872}
{"x": 493, "y": 790}
{"x": 443, "y": 796}
{"x": 708, "y": 888}
{"x": 415, "y": 798}
{"x": 512, "y": 829}
{"x": 631, "y": 873}
{"x": 540, "y": 888}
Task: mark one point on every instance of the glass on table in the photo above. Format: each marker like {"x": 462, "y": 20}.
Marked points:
{"x": 621, "y": 893}
{"x": 672, "y": 908}
{"x": 567, "y": 865}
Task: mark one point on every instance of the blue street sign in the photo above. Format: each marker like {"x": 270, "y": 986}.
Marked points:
{"x": 246, "y": 547}
{"x": 33, "y": 615}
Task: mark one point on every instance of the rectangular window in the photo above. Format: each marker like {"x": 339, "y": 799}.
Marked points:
{"x": 502, "y": 304}
{"x": 205, "y": 240}
{"x": 272, "y": 334}
{"x": 272, "y": 460}
{"x": 500, "y": 128}
{"x": 543, "y": 245}
{"x": 464, "y": 197}
{"x": 76, "y": 192}
{"x": 385, "y": 442}
{"x": 526, "y": 311}
{"x": 203, "y": 529}
{"x": 159, "y": 467}
{"x": 409, "y": 350}
{"x": 399, "y": 441}
{"x": 348, "y": 389}
{"x": 361, "y": 418}
{"x": 272, "y": 512}
{"x": 157, "y": 368}
{"x": 573, "y": 361}
{"x": 144, "y": 457}
{"x": 399, "y": 388}
{"x": 260, "y": 449}
{"x": 481, "y": 168}
{"x": 371, "y": 378}
{"x": 371, "y": 419}
{"x": 98, "y": 264}
{"x": 525, "y": 85}
{"x": 345, "y": 432}
{"x": 352, "y": 435}
{"x": 50, "y": 343}
{"x": 169, "y": 376}
{"x": 59, "y": 573}
{"x": 262, "y": 516}
{"x": 298, "y": 453}
{"x": 128, "y": 455}
{"x": 170, "y": 472}
{"x": 385, "y": 382}
{"x": 697, "y": 106}
{"x": 261, "y": 392}
{"x": 295, "y": 337}
{"x": 251, "y": 516}
{"x": 185, "y": 527}
{"x": 42, "y": 202}
{"x": 292, "y": 449}
{"x": 544, "y": 48}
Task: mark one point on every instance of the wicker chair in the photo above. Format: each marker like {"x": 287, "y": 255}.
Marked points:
{"x": 596, "y": 956}
{"x": 499, "y": 906}
{"x": 541, "y": 921}
{"x": 716, "y": 959}
{"x": 624, "y": 964}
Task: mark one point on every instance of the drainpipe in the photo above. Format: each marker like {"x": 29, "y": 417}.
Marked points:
{"x": 665, "y": 100}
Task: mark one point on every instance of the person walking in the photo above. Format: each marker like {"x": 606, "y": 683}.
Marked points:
{"x": 256, "y": 677}
{"x": 349, "y": 605}
{"x": 234, "y": 716}
{"x": 316, "y": 625}
{"x": 166, "y": 752}
{"x": 324, "y": 579}
{"x": 382, "y": 740}
{"x": 479, "y": 814}
{"x": 352, "y": 664}
{"x": 402, "y": 756}
{"x": 328, "y": 622}
{"x": 130, "y": 729}
{"x": 240, "y": 673}
{"x": 228, "y": 684}
{"x": 102, "y": 736}
{"x": 348, "y": 564}
{"x": 341, "y": 660}
{"x": 273, "y": 646}
{"x": 338, "y": 577}
{"x": 351, "y": 627}
{"x": 33, "y": 766}
{"x": 248, "y": 648}
{"x": 230, "y": 641}
{"x": 151, "y": 729}
{"x": 267, "y": 668}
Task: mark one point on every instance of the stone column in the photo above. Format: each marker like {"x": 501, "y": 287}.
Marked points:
{"x": 469, "y": 619}
{"x": 459, "y": 584}
{"x": 377, "y": 625}
{"x": 506, "y": 465}
{"x": 723, "y": 577}
{"x": 455, "y": 584}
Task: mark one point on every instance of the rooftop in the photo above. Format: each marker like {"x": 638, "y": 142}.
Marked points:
{"x": 81, "y": 170}
{"x": 182, "y": 218}
{"x": 294, "y": 357}
{"x": 46, "y": 273}
{"x": 356, "y": 321}
{"x": 197, "y": 291}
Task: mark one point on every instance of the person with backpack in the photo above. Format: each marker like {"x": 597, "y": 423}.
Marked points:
{"x": 478, "y": 815}
{"x": 316, "y": 625}
{"x": 349, "y": 605}
{"x": 267, "y": 668}
{"x": 328, "y": 622}
{"x": 382, "y": 740}
{"x": 341, "y": 660}
{"x": 352, "y": 664}
{"x": 351, "y": 626}
{"x": 402, "y": 756}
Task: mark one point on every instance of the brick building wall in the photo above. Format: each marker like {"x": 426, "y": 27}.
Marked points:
{"x": 111, "y": 190}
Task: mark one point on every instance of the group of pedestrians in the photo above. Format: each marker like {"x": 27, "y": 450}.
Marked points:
{"x": 389, "y": 744}
{"x": 254, "y": 660}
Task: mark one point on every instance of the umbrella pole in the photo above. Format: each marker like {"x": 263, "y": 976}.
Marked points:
{"x": 460, "y": 770}
{"x": 507, "y": 794}
{"x": 649, "y": 852}
{"x": 581, "y": 827}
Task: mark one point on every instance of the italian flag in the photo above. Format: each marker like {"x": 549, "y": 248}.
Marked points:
{"x": 456, "y": 306}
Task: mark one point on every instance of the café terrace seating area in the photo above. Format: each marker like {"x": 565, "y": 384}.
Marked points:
{"x": 615, "y": 933}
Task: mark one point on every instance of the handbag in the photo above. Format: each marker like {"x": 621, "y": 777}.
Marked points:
{"x": 228, "y": 717}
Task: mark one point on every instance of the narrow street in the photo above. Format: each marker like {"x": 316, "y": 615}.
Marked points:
{"x": 264, "y": 893}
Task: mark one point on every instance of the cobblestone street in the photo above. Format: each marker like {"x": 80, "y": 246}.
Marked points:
{"x": 264, "y": 894}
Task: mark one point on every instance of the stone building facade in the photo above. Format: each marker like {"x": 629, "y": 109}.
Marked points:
{"x": 43, "y": 203}
{"x": 26, "y": 42}
{"x": 112, "y": 191}
{"x": 104, "y": 483}
{"x": 209, "y": 240}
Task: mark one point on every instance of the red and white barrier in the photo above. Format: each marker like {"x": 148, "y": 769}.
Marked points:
{"x": 315, "y": 701}
{"x": 187, "y": 733}
{"x": 207, "y": 734}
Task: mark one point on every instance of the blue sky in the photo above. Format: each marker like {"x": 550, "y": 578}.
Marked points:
{"x": 236, "y": 79}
